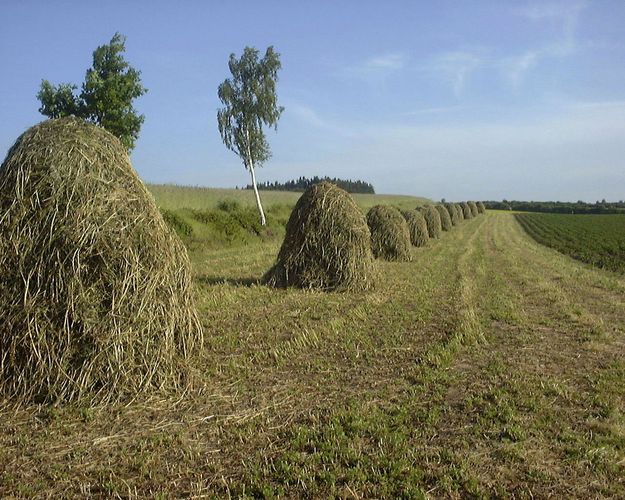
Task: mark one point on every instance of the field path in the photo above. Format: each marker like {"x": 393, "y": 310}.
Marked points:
{"x": 488, "y": 366}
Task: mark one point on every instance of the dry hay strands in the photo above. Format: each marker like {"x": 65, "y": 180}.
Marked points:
{"x": 327, "y": 244}
{"x": 390, "y": 236}
{"x": 446, "y": 223}
{"x": 459, "y": 211}
{"x": 466, "y": 210}
{"x": 96, "y": 296}
{"x": 480, "y": 207}
{"x": 473, "y": 206}
{"x": 417, "y": 226}
{"x": 433, "y": 220}
{"x": 453, "y": 214}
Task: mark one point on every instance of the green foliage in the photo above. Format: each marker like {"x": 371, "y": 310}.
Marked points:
{"x": 110, "y": 87}
{"x": 250, "y": 101}
{"x": 433, "y": 220}
{"x": 390, "y": 235}
{"x": 596, "y": 239}
{"x": 446, "y": 223}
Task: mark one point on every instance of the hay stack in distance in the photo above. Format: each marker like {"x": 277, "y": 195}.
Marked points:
{"x": 327, "y": 244}
{"x": 466, "y": 210}
{"x": 480, "y": 207}
{"x": 446, "y": 224}
{"x": 419, "y": 235}
{"x": 453, "y": 214}
{"x": 95, "y": 289}
{"x": 390, "y": 236}
{"x": 433, "y": 220}
{"x": 459, "y": 211}
{"x": 473, "y": 207}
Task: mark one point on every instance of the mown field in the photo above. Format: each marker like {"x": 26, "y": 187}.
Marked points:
{"x": 596, "y": 239}
{"x": 490, "y": 365}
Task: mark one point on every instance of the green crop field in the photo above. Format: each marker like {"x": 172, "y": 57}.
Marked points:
{"x": 596, "y": 239}
{"x": 488, "y": 366}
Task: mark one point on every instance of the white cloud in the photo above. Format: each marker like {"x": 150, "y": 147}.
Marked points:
{"x": 377, "y": 67}
{"x": 388, "y": 61}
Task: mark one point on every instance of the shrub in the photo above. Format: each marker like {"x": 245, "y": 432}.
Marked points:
{"x": 433, "y": 220}
{"x": 327, "y": 244}
{"x": 417, "y": 226}
{"x": 95, "y": 291}
{"x": 466, "y": 210}
{"x": 446, "y": 224}
{"x": 390, "y": 236}
{"x": 473, "y": 207}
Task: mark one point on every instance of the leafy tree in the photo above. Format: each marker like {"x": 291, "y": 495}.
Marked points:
{"x": 250, "y": 101}
{"x": 110, "y": 86}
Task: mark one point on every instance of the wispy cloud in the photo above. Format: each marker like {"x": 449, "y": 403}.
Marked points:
{"x": 455, "y": 67}
{"x": 564, "y": 16}
{"x": 377, "y": 67}
{"x": 308, "y": 116}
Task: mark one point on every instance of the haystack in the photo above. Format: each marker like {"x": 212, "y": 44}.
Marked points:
{"x": 453, "y": 213}
{"x": 95, "y": 290}
{"x": 473, "y": 207}
{"x": 390, "y": 236}
{"x": 446, "y": 224}
{"x": 327, "y": 244}
{"x": 459, "y": 211}
{"x": 466, "y": 210}
{"x": 433, "y": 220}
{"x": 480, "y": 207}
{"x": 417, "y": 226}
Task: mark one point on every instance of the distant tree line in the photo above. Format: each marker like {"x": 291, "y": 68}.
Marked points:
{"x": 303, "y": 183}
{"x": 561, "y": 207}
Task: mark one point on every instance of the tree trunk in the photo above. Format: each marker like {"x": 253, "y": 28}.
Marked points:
{"x": 263, "y": 222}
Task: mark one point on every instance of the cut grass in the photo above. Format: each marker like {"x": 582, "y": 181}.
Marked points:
{"x": 487, "y": 366}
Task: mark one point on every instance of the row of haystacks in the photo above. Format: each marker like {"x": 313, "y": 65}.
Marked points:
{"x": 96, "y": 295}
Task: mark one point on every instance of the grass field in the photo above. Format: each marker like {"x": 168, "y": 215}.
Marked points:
{"x": 596, "y": 239}
{"x": 490, "y": 365}
{"x": 173, "y": 197}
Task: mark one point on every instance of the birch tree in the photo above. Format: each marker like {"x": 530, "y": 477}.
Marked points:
{"x": 250, "y": 102}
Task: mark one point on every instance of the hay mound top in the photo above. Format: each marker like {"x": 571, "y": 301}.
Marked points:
{"x": 446, "y": 224}
{"x": 327, "y": 244}
{"x": 433, "y": 220}
{"x": 418, "y": 227}
{"x": 390, "y": 236}
{"x": 95, "y": 290}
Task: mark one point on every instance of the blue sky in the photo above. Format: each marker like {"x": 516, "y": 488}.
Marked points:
{"x": 455, "y": 99}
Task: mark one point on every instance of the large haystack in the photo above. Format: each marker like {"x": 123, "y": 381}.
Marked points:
{"x": 459, "y": 211}
{"x": 390, "y": 236}
{"x": 480, "y": 207}
{"x": 419, "y": 235}
{"x": 327, "y": 244}
{"x": 453, "y": 213}
{"x": 446, "y": 224}
{"x": 95, "y": 290}
{"x": 433, "y": 220}
{"x": 473, "y": 207}
{"x": 466, "y": 210}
